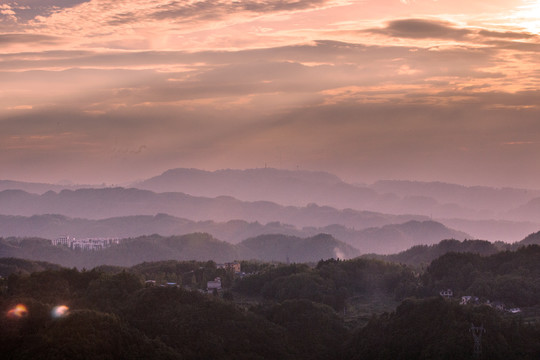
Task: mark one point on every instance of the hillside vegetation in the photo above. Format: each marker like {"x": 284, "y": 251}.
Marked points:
{"x": 197, "y": 246}
{"x": 278, "y": 312}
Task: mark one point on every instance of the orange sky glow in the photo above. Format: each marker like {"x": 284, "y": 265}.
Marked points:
{"x": 117, "y": 90}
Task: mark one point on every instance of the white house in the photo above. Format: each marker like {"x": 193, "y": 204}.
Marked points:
{"x": 215, "y": 284}
{"x": 448, "y": 293}
{"x": 467, "y": 299}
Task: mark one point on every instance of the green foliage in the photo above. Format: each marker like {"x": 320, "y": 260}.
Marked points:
{"x": 331, "y": 282}
{"x": 511, "y": 277}
{"x": 204, "y": 327}
{"x": 113, "y": 316}
{"x": 314, "y": 330}
{"x": 422, "y": 255}
{"x": 52, "y": 286}
{"x": 84, "y": 334}
{"x": 10, "y": 266}
{"x": 439, "y": 329}
{"x": 110, "y": 292}
{"x": 254, "y": 284}
{"x": 252, "y": 266}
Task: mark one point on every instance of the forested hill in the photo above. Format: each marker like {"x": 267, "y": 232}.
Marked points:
{"x": 280, "y": 312}
{"x": 532, "y": 239}
{"x": 273, "y": 247}
{"x": 22, "y": 266}
{"x": 508, "y": 276}
{"x": 438, "y": 329}
{"x": 422, "y": 255}
{"x": 196, "y": 246}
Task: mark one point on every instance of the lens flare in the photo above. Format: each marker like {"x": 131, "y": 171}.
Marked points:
{"x": 18, "y": 312}
{"x": 59, "y": 311}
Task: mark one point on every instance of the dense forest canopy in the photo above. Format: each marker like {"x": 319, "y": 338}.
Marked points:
{"x": 274, "y": 311}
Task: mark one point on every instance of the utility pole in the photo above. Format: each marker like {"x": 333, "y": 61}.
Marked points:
{"x": 477, "y": 332}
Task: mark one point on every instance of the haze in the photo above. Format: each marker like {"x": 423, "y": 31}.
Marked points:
{"x": 107, "y": 91}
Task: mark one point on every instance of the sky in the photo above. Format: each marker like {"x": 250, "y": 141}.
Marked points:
{"x": 111, "y": 91}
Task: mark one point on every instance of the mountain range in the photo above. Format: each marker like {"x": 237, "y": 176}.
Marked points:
{"x": 301, "y": 198}
{"x": 299, "y": 188}
{"x": 203, "y": 247}
{"x": 383, "y": 240}
{"x": 196, "y": 246}
{"x": 114, "y": 202}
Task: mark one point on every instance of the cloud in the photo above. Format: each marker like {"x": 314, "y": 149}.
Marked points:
{"x": 123, "y": 87}
{"x": 257, "y": 79}
{"x": 8, "y": 39}
{"x": 212, "y": 10}
{"x": 507, "y": 34}
{"x": 421, "y": 29}
{"x": 162, "y": 15}
{"x": 25, "y": 10}
{"x": 520, "y": 46}
{"x": 393, "y": 139}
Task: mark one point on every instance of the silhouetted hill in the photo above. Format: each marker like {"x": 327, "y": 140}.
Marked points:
{"x": 493, "y": 230}
{"x": 395, "y": 237}
{"x": 37, "y": 188}
{"x": 504, "y": 214}
{"x": 529, "y": 211}
{"x": 290, "y": 248}
{"x": 36, "y": 249}
{"x": 424, "y": 254}
{"x": 113, "y": 202}
{"x": 532, "y": 239}
{"x": 297, "y": 188}
{"x": 52, "y": 226}
{"x": 382, "y": 240}
{"x": 282, "y": 186}
{"x": 197, "y": 246}
{"x": 482, "y": 211}
{"x": 15, "y": 265}
{"x": 474, "y": 197}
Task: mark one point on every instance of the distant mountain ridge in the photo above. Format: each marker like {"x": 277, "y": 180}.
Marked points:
{"x": 114, "y": 202}
{"x": 280, "y": 186}
{"x": 472, "y": 196}
{"x": 38, "y": 188}
{"x": 295, "y": 187}
{"x": 529, "y": 211}
{"x": 40, "y": 254}
{"x": 196, "y": 246}
{"x": 299, "y": 197}
{"x": 385, "y": 239}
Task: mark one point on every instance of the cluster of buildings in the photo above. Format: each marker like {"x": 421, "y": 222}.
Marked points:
{"x": 468, "y": 299}
{"x": 211, "y": 285}
{"x": 230, "y": 266}
{"x": 86, "y": 243}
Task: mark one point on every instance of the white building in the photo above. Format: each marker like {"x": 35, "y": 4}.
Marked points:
{"x": 63, "y": 240}
{"x": 448, "y": 293}
{"x": 85, "y": 244}
{"x": 211, "y": 285}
